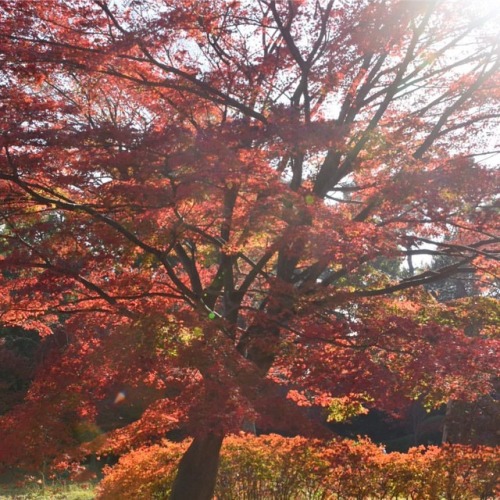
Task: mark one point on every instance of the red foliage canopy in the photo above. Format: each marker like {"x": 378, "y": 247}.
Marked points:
{"x": 203, "y": 197}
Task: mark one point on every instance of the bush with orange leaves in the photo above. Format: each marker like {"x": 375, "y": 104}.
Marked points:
{"x": 277, "y": 468}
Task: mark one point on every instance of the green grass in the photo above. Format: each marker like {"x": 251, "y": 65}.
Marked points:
{"x": 56, "y": 491}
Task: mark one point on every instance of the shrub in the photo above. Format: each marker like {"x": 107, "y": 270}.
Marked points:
{"x": 271, "y": 467}
{"x": 277, "y": 468}
{"x": 146, "y": 473}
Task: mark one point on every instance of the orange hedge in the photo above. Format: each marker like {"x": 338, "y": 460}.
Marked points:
{"x": 277, "y": 468}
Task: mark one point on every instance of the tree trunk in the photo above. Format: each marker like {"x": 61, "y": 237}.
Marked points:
{"x": 447, "y": 421}
{"x": 197, "y": 471}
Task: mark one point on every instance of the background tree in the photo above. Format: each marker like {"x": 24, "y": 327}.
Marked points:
{"x": 195, "y": 192}
{"x": 476, "y": 311}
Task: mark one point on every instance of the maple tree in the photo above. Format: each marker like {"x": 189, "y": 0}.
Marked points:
{"x": 194, "y": 195}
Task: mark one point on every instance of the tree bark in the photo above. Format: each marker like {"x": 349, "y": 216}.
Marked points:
{"x": 197, "y": 471}
{"x": 446, "y": 426}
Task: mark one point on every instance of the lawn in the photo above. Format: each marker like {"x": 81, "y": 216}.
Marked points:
{"x": 56, "y": 491}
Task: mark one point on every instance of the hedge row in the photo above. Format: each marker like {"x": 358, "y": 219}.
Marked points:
{"x": 277, "y": 468}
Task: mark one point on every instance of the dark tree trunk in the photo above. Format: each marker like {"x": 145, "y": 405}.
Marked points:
{"x": 197, "y": 472}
